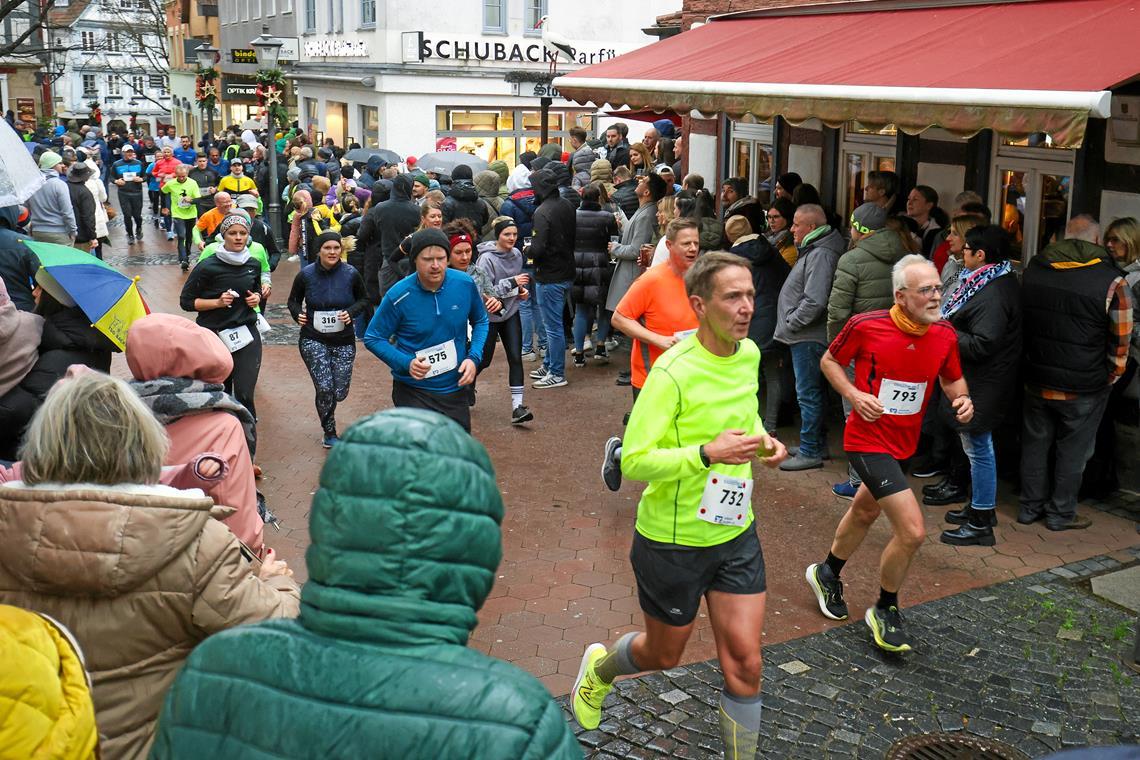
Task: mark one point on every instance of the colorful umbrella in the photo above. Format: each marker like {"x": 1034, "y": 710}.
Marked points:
{"x": 109, "y": 298}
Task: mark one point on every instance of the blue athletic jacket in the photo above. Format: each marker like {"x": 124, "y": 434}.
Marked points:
{"x": 417, "y": 319}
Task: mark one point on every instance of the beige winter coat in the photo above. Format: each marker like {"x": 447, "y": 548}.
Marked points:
{"x": 140, "y": 574}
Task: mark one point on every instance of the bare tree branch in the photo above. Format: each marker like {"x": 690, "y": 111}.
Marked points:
{"x": 25, "y": 10}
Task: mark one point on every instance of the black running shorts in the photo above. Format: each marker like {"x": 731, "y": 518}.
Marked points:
{"x": 671, "y": 579}
{"x": 881, "y": 473}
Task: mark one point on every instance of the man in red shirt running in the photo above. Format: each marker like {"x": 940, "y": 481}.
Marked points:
{"x": 897, "y": 353}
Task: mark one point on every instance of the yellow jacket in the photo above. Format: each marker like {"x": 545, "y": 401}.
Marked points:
{"x": 45, "y": 701}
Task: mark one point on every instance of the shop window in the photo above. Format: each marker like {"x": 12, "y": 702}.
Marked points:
{"x": 503, "y": 134}
{"x": 863, "y": 151}
{"x": 494, "y": 17}
{"x": 533, "y": 11}
{"x": 370, "y": 126}
{"x": 312, "y": 120}
{"x": 752, "y": 158}
{"x": 1031, "y": 191}
{"x": 336, "y": 122}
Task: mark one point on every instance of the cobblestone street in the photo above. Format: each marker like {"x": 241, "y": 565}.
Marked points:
{"x": 565, "y": 579}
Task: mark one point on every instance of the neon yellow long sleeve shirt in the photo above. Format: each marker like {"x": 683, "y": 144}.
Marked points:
{"x": 689, "y": 398}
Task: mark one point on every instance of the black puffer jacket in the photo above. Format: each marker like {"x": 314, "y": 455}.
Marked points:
{"x": 625, "y": 195}
{"x": 552, "y": 241}
{"x": 382, "y": 229}
{"x": 464, "y": 203}
{"x": 769, "y": 270}
{"x": 989, "y": 344}
{"x": 563, "y": 179}
{"x": 592, "y": 266}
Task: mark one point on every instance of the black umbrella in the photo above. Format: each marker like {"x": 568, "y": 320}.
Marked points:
{"x": 361, "y": 155}
{"x": 444, "y": 162}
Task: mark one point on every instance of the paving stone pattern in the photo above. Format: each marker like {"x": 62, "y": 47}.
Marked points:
{"x": 1032, "y": 662}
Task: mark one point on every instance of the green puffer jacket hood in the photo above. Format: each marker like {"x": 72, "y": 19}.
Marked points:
{"x": 863, "y": 279}
{"x": 1076, "y": 251}
{"x": 405, "y": 545}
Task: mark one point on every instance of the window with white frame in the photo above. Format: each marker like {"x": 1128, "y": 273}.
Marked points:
{"x": 113, "y": 43}
{"x": 114, "y": 86}
{"x": 495, "y": 16}
{"x": 533, "y": 11}
{"x": 310, "y": 15}
{"x": 1030, "y": 191}
{"x": 138, "y": 84}
{"x": 157, "y": 82}
{"x": 368, "y": 12}
{"x": 87, "y": 40}
{"x": 89, "y": 86}
{"x": 271, "y": 7}
{"x": 863, "y": 151}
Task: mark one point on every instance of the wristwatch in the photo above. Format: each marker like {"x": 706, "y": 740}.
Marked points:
{"x": 704, "y": 457}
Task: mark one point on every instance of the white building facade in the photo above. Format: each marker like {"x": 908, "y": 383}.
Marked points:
{"x": 415, "y": 78}
{"x": 113, "y": 54}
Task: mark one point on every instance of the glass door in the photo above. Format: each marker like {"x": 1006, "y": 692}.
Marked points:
{"x": 1032, "y": 202}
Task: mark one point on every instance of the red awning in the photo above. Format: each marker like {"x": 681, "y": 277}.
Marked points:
{"x": 647, "y": 115}
{"x": 1015, "y": 67}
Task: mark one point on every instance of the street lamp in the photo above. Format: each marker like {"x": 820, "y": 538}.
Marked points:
{"x": 207, "y": 56}
{"x": 268, "y": 49}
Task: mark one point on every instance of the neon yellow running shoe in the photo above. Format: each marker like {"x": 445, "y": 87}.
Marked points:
{"x": 886, "y": 628}
{"x": 589, "y": 690}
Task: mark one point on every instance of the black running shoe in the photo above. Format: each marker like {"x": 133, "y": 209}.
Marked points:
{"x": 521, "y": 414}
{"x": 886, "y": 628}
{"x": 828, "y": 591}
{"x": 611, "y": 464}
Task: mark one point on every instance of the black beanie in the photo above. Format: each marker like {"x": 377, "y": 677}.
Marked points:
{"x": 326, "y": 236}
{"x": 526, "y": 157}
{"x": 426, "y": 238}
{"x": 503, "y": 224}
{"x": 463, "y": 171}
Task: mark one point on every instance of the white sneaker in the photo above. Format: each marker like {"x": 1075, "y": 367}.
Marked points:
{"x": 530, "y": 356}
{"x": 538, "y": 374}
{"x": 588, "y": 344}
{"x": 611, "y": 344}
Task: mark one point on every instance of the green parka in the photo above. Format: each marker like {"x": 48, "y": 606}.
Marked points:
{"x": 405, "y": 545}
{"x": 863, "y": 279}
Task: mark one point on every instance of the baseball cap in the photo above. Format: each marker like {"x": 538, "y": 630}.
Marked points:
{"x": 245, "y": 200}
{"x": 130, "y": 148}
{"x": 663, "y": 168}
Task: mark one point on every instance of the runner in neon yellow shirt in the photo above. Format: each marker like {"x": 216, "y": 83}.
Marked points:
{"x": 693, "y": 434}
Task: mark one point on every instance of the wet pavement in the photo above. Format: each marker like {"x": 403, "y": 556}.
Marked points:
{"x": 565, "y": 579}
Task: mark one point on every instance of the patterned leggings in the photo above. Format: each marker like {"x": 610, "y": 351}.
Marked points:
{"x": 331, "y": 370}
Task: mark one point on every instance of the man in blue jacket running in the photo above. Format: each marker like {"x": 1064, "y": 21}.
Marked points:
{"x": 420, "y": 332}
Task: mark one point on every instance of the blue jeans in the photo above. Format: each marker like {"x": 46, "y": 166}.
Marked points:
{"x": 531, "y": 317}
{"x": 809, "y": 390}
{"x": 552, "y": 298}
{"x": 182, "y": 230}
{"x": 979, "y": 448}
{"x": 584, "y": 314}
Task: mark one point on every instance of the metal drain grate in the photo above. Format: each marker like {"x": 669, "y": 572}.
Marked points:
{"x": 956, "y": 746}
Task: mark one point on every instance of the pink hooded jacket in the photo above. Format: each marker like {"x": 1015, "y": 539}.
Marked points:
{"x": 166, "y": 345}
